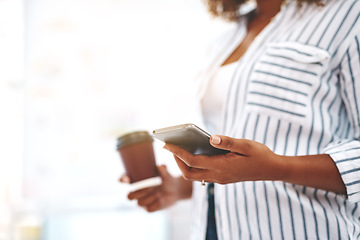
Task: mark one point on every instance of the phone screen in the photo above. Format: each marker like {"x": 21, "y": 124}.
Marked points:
{"x": 190, "y": 138}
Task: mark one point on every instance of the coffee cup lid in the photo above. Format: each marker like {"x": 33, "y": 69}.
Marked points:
{"x": 133, "y": 137}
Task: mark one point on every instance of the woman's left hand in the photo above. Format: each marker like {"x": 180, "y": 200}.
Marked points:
{"x": 247, "y": 161}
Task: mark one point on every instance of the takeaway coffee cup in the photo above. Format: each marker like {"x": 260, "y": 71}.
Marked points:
{"x": 137, "y": 154}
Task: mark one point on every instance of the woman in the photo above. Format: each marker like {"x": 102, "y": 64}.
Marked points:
{"x": 290, "y": 73}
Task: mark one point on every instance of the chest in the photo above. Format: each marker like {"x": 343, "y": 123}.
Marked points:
{"x": 253, "y": 29}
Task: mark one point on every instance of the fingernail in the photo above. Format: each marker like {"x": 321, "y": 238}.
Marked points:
{"x": 126, "y": 179}
{"x": 215, "y": 139}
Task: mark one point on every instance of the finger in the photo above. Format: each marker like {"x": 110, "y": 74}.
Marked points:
{"x": 191, "y": 160}
{"x": 147, "y": 200}
{"x": 182, "y": 166}
{"x": 241, "y": 146}
{"x": 193, "y": 174}
{"x": 140, "y": 194}
{"x": 154, "y": 206}
{"x": 125, "y": 179}
{"x": 163, "y": 172}
{"x": 190, "y": 173}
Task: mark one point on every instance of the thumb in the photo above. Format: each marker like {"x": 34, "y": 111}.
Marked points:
{"x": 240, "y": 146}
{"x": 125, "y": 179}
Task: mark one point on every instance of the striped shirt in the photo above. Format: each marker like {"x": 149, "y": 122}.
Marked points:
{"x": 297, "y": 90}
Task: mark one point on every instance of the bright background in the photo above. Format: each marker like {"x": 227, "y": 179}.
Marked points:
{"x": 74, "y": 75}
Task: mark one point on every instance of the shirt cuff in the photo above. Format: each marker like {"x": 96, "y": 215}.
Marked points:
{"x": 346, "y": 155}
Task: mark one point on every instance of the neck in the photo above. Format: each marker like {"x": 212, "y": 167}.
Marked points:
{"x": 268, "y": 8}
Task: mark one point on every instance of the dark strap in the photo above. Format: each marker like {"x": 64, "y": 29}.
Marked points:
{"x": 211, "y": 233}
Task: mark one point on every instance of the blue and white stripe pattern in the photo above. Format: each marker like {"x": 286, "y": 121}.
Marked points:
{"x": 297, "y": 90}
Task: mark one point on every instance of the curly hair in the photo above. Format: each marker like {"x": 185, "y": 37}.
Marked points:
{"x": 229, "y": 9}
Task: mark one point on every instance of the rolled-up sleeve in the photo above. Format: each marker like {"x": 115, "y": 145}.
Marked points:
{"x": 346, "y": 152}
{"x": 346, "y": 155}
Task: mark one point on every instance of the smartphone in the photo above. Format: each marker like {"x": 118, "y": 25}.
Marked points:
{"x": 189, "y": 137}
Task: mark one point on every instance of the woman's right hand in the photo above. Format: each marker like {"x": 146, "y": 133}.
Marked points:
{"x": 159, "y": 197}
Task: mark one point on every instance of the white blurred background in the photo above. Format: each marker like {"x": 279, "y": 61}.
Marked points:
{"x": 74, "y": 75}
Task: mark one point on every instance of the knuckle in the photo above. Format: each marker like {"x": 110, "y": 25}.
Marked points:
{"x": 187, "y": 175}
{"x": 221, "y": 181}
{"x": 247, "y": 145}
{"x": 231, "y": 157}
{"x": 229, "y": 143}
{"x": 187, "y": 179}
{"x": 190, "y": 162}
{"x": 140, "y": 203}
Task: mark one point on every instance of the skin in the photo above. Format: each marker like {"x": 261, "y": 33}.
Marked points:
{"x": 266, "y": 10}
{"x": 248, "y": 160}
{"x": 251, "y": 161}
{"x": 157, "y": 198}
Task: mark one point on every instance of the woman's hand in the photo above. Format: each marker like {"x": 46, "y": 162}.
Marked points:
{"x": 157, "y": 198}
{"x": 251, "y": 161}
{"x": 247, "y": 161}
